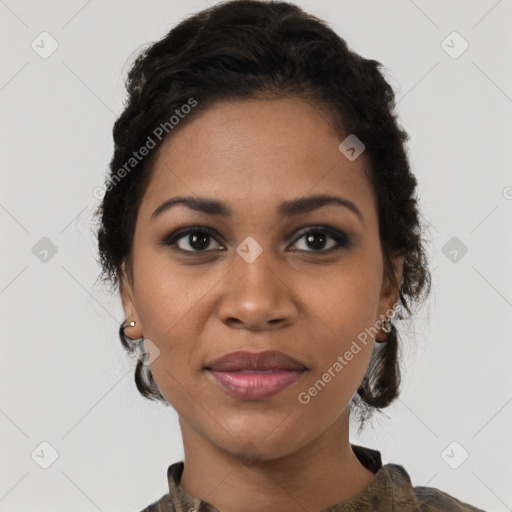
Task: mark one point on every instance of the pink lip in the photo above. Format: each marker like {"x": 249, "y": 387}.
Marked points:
{"x": 255, "y": 375}
{"x": 255, "y": 385}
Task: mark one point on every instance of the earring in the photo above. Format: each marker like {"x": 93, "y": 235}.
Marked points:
{"x": 387, "y": 329}
{"x": 126, "y": 340}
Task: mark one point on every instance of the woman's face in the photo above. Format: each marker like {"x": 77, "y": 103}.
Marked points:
{"x": 277, "y": 272}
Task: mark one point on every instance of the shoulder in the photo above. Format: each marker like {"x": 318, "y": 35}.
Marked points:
{"x": 164, "y": 504}
{"x": 176, "y": 500}
{"x": 427, "y": 499}
{"x": 434, "y": 500}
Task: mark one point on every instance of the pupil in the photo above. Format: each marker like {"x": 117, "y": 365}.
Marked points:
{"x": 311, "y": 237}
{"x": 203, "y": 241}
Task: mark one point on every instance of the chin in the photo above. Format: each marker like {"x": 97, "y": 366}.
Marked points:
{"x": 254, "y": 446}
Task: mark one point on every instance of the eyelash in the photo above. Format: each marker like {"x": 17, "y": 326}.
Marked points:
{"x": 342, "y": 240}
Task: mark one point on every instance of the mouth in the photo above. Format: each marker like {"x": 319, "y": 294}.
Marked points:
{"x": 255, "y": 376}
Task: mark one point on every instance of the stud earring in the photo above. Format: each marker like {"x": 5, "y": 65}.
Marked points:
{"x": 126, "y": 340}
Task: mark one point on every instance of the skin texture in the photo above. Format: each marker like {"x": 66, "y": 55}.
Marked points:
{"x": 296, "y": 297}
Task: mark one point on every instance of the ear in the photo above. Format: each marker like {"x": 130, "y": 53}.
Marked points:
{"x": 129, "y": 306}
{"x": 390, "y": 290}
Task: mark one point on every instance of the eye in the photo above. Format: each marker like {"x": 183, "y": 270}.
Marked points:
{"x": 197, "y": 238}
{"x": 316, "y": 238}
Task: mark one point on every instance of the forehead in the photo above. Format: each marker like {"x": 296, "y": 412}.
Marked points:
{"x": 257, "y": 151}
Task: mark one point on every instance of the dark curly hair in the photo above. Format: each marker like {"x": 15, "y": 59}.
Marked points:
{"x": 242, "y": 49}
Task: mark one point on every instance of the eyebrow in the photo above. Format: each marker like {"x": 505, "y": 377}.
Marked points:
{"x": 285, "y": 209}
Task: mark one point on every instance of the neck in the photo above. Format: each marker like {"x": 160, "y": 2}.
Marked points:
{"x": 318, "y": 475}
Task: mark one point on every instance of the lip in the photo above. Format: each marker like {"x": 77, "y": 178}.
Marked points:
{"x": 244, "y": 360}
{"x": 255, "y": 375}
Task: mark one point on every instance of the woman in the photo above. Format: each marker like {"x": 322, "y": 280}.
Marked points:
{"x": 261, "y": 225}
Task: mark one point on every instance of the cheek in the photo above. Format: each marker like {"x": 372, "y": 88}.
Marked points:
{"x": 166, "y": 312}
{"x": 168, "y": 295}
{"x": 342, "y": 303}
{"x": 173, "y": 307}
{"x": 341, "y": 365}
{"x": 327, "y": 393}
{"x": 341, "y": 338}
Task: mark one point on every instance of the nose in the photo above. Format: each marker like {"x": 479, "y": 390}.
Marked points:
{"x": 257, "y": 296}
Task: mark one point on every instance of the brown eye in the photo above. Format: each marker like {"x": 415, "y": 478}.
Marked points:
{"x": 316, "y": 240}
{"x": 193, "y": 239}
{"x": 197, "y": 241}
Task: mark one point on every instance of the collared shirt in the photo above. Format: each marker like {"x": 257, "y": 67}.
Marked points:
{"x": 391, "y": 490}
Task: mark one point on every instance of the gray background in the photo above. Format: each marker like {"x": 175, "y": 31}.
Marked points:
{"x": 64, "y": 377}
